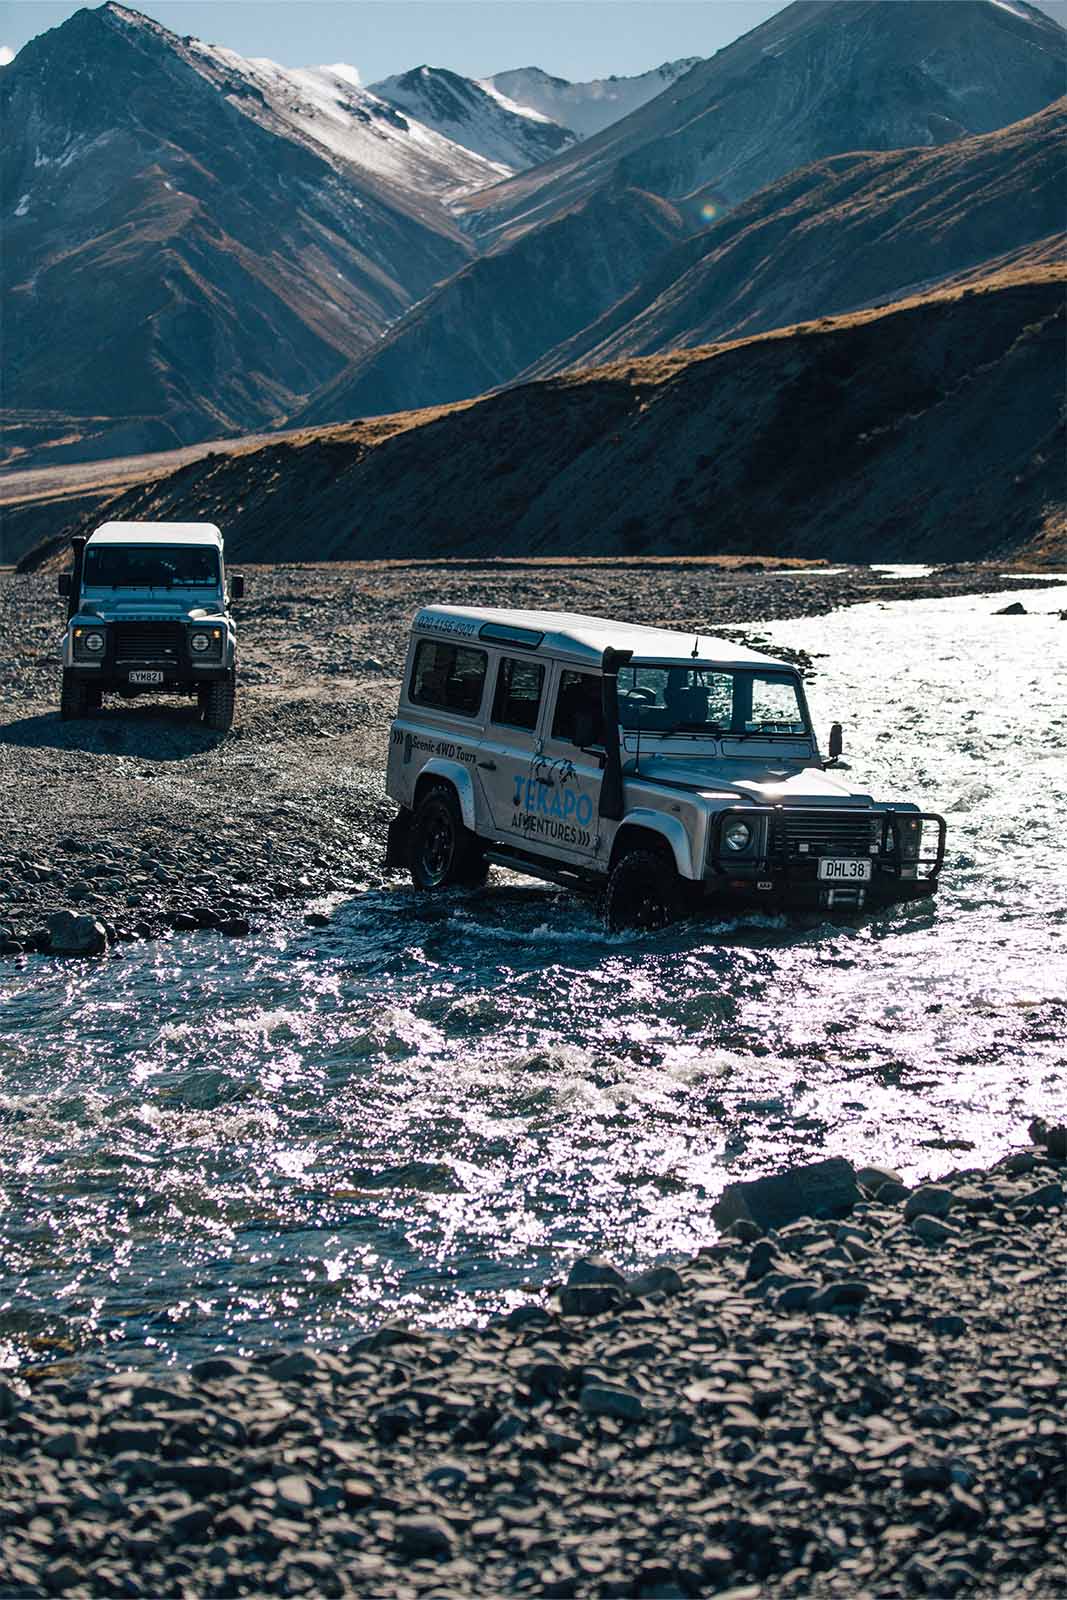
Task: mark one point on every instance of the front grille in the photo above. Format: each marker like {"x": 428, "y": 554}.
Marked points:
{"x": 150, "y": 641}
{"x": 823, "y": 833}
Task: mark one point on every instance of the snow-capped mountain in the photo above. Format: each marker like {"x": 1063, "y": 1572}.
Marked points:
{"x": 585, "y": 107}
{"x": 819, "y": 80}
{"x": 191, "y": 246}
{"x": 328, "y": 107}
{"x": 476, "y": 116}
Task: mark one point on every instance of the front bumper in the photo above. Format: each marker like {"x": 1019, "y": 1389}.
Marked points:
{"x": 905, "y": 863}
{"x": 144, "y": 648}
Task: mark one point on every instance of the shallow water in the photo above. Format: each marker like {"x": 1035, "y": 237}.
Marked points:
{"x": 429, "y": 1108}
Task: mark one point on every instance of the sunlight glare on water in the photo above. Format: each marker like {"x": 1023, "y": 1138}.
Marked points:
{"x": 430, "y": 1107}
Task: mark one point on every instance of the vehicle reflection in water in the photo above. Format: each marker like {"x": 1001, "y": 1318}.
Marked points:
{"x": 428, "y": 1108}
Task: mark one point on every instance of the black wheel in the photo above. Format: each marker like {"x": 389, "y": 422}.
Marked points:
{"x": 74, "y": 698}
{"x": 441, "y": 851}
{"x": 216, "y": 704}
{"x": 643, "y": 892}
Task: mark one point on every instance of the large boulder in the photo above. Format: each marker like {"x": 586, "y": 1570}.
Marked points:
{"x": 73, "y": 935}
{"x": 821, "y": 1189}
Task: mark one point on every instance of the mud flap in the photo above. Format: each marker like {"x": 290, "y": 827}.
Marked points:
{"x": 396, "y": 840}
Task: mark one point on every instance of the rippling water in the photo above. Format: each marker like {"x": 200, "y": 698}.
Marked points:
{"x": 430, "y": 1107}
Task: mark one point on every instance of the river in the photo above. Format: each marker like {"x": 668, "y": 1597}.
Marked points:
{"x": 428, "y": 1108}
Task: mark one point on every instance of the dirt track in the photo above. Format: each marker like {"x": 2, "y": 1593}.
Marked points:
{"x": 142, "y": 818}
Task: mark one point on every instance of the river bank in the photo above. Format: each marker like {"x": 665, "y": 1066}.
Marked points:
{"x": 864, "y": 1407}
{"x": 143, "y": 821}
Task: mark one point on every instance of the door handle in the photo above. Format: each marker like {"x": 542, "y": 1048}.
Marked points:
{"x": 488, "y": 766}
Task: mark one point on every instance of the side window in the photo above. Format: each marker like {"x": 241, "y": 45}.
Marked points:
{"x": 518, "y": 692}
{"x": 578, "y": 717}
{"x": 448, "y": 677}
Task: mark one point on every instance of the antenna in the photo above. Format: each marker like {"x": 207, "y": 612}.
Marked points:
{"x": 696, "y": 648}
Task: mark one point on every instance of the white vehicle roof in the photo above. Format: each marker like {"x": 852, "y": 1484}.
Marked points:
{"x": 584, "y": 639}
{"x": 157, "y": 533}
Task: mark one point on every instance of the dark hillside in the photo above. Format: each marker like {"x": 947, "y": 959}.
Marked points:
{"x": 930, "y": 430}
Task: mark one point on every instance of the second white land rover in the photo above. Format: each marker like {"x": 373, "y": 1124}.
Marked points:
{"x": 148, "y": 611}
{"x": 655, "y": 769}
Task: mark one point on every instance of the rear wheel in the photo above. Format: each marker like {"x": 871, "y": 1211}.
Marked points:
{"x": 643, "y": 892}
{"x": 441, "y": 850}
{"x": 216, "y": 704}
{"x": 74, "y": 698}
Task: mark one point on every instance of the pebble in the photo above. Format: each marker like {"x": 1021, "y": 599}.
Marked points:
{"x": 931, "y": 1200}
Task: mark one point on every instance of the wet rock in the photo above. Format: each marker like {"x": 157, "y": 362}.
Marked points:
{"x": 1050, "y": 1194}
{"x": 316, "y": 919}
{"x": 872, "y": 1178}
{"x": 1052, "y": 1136}
{"x": 820, "y": 1189}
{"x": 234, "y": 927}
{"x": 796, "y": 1296}
{"x": 72, "y": 935}
{"x": 593, "y": 1286}
{"x": 1016, "y": 609}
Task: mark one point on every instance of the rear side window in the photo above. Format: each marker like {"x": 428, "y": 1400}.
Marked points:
{"x": 578, "y": 718}
{"x": 518, "y": 692}
{"x": 448, "y": 677}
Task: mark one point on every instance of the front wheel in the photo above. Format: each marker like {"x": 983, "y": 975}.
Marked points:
{"x": 441, "y": 850}
{"x": 75, "y": 698}
{"x": 216, "y": 704}
{"x": 643, "y": 892}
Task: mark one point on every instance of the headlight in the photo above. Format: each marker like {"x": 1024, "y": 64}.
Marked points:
{"x": 738, "y": 836}
{"x": 911, "y": 833}
{"x": 206, "y": 642}
{"x": 88, "y": 642}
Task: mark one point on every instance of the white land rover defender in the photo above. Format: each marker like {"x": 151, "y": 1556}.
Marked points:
{"x": 147, "y": 610}
{"x": 655, "y": 768}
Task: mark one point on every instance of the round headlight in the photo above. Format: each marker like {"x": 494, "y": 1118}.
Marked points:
{"x": 94, "y": 642}
{"x": 200, "y": 642}
{"x": 738, "y": 836}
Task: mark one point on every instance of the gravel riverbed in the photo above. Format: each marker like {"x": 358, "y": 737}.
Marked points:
{"x": 866, "y": 1407}
{"x": 141, "y": 819}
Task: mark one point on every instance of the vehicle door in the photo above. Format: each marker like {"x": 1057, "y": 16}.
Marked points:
{"x": 511, "y": 744}
{"x": 570, "y": 767}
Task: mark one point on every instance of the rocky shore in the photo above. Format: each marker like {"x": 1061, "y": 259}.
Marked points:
{"x": 864, "y": 1405}
{"x": 138, "y": 821}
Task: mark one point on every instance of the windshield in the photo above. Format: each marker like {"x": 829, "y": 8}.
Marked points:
{"x": 709, "y": 700}
{"x": 157, "y": 566}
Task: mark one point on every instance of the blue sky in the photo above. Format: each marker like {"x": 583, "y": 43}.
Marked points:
{"x": 571, "y": 38}
{"x": 574, "y": 39}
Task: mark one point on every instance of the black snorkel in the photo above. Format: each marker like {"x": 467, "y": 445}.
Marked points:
{"x": 77, "y": 545}
{"x": 611, "y": 806}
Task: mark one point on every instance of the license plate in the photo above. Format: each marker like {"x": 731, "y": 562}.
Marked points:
{"x": 142, "y": 676}
{"x": 838, "y": 871}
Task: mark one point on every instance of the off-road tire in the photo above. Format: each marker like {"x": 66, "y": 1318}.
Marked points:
{"x": 74, "y": 698}
{"x": 216, "y": 704}
{"x": 643, "y": 892}
{"x": 442, "y": 852}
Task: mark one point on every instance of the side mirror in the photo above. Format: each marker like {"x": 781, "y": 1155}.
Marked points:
{"x": 836, "y": 742}
{"x": 237, "y": 586}
{"x": 63, "y": 583}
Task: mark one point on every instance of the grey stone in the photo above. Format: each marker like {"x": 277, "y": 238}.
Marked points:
{"x": 610, "y": 1400}
{"x": 423, "y": 1536}
{"x": 1052, "y": 1135}
{"x": 872, "y": 1178}
{"x": 932, "y": 1230}
{"x": 657, "y": 1280}
{"x": 591, "y": 1301}
{"x": 214, "y": 1367}
{"x": 72, "y": 935}
{"x": 932, "y": 1200}
{"x": 294, "y": 1492}
{"x": 591, "y": 1270}
{"x": 1050, "y": 1194}
{"x": 796, "y": 1296}
{"x": 821, "y": 1188}
{"x": 843, "y": 1296}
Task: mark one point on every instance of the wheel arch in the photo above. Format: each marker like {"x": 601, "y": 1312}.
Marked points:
{"x": 644, "y": 829}
{"x": 439, "y": 771}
